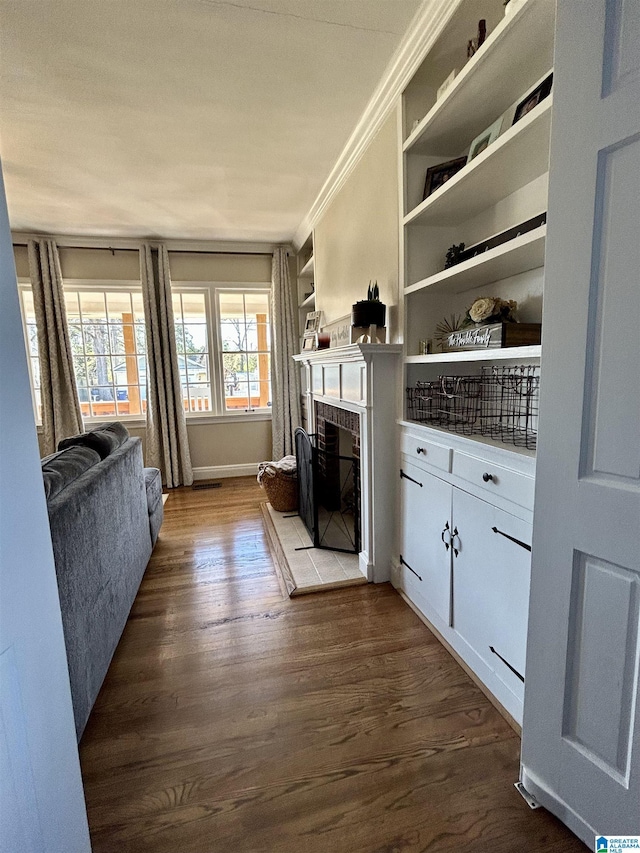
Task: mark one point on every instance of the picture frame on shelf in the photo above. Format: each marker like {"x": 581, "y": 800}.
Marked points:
{"x": 533, "y": 98}
{"x": 446, "y": 83}
{"x": 438, "y": 175}
{"x": 485, "y": 139}
{"x": 309, "y": 343}
{"x": 312, "y": 323}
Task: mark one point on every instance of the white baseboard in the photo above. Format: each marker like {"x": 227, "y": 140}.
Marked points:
{"x": 219, "y": 472}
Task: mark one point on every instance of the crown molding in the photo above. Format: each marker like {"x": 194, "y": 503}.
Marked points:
{"x": 426, "y": 26}
{"x": 229, "y": 246}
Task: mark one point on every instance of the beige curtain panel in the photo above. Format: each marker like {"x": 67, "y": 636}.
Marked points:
{"x": 61, "y": 415}
{"x": 285, "y": 378}
{"x": 167, "y": 442}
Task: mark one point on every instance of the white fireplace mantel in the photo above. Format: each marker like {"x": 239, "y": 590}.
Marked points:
{"x": 364, "y": 378}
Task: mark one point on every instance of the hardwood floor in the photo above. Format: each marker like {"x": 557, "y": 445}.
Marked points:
{"x": 235, "y": 720}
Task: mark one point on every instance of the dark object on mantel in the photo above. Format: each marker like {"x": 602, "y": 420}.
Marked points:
{"x": 496, "y": 240}
{"x": 368, "y": 312}
{"x": 495, "y": 335}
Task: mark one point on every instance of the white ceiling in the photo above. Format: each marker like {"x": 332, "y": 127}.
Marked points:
{"x": 186, "y": 119}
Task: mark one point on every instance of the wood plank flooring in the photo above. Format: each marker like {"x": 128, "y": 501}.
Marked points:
{"x": 235, "y": 720}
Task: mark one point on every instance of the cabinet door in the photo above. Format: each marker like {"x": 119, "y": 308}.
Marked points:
{"x": 426, "y": 561}
{"x": 491, "y": 575}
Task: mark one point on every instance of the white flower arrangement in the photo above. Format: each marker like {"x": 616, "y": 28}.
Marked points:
{"x": 492, "y": 309}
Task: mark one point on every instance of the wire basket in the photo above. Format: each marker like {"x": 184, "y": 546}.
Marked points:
{"x": 509, "y": 407}
{"x": 501, "y": 403}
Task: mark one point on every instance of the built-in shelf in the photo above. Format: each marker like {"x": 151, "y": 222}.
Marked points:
{"x": 307, "y": 269}
{"x": 515, "y": 159}
{"x": 522, "y": 43}
{"x": 523, "y": 253}
{"x": 309, "y": 301}
{"x": 494, "y": 354}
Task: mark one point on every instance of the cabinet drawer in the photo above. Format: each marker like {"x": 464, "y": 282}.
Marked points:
{"x": 420, "y": 450}
{"x": 494, "y": 479}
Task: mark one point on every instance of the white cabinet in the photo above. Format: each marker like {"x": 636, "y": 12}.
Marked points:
{"x": 464, "y": 562}
{"x": 491, "y": 574}
{"x": 425, "y": 561}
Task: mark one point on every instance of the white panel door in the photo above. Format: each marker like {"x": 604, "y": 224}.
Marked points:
{"x": 426, "y": 537}
{"x": 581, "y": 732}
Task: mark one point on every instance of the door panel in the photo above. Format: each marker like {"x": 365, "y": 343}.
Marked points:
{"x": 581, "y": 731}
{"x": 491, "y": 583}
{"x": 426, "y": 512}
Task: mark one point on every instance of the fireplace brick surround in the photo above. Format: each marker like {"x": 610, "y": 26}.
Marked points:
{"x": 356, "y": 388}
{"x": 329, "y": 420}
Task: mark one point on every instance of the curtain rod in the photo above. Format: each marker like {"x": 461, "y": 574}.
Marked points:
{"x": 174, "y": 251}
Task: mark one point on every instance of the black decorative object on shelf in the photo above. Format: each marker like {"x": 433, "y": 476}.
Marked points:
{"x": 496, "y": 240}
{"x": 453, "y": 255}
{"x": 532, "y": 99}
{"x": 369, "y": 311}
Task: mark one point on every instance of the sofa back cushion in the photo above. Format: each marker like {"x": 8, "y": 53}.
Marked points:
{"x": 103, "y": 439}
{"x": 65, "y": 466}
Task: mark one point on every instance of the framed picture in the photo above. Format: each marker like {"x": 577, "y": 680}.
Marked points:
{"x": 533, "y": 98}
{"x": 309, "y": 343}
{"x": 484, "y": 139}
{"x": 440, "y": 174}
{"x": 312, "y": 323}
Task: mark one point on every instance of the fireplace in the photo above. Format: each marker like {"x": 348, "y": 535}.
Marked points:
{"x": 351, "y": 400}
{"x": 329, "y": 479}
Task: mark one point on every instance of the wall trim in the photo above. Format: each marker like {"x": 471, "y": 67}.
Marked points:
{"x": 220, "y": 472}
{"x": 214, "y": 246}
{"x": 427, "y": 24}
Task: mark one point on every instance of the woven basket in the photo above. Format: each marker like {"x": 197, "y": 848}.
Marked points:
{"x": 282, "y": 492}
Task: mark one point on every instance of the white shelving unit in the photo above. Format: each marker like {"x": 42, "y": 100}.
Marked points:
{"x": 459, "y": 490}
{"x": 499, "y": 189}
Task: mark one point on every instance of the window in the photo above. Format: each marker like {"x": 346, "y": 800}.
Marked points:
{"x": 107, "y": 335}
{"x": 192, "y": 340}
{"x": 31, "y": 339}
{"x": 245, "y": 345}
{"x": 223, "y": 342}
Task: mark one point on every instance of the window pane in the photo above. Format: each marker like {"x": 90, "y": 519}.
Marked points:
{"x": 256, "y": 303}
{"x": 141, "y": 338}
{"x": 93, "y": 307}
{"x": 231, "y": 305}
{"x": 116, "y": 335}
{"x": 195, "y": 337}
{"x": 35, "y": 372}
{"x": 260, "y": 395}
{"x": 32, "y": 335}
{"x": 71, "y": 306}
{"x": 138, "y": 308}
{"x": 27, "y": 306}
{"x": 119, "y": 307}
{"x": 233, "y": 335}
{"x": 194, "y": 307}
{"x": 200, "y": 398}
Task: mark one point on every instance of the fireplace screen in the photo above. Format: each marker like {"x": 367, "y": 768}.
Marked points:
{"x": 329, "y": 501}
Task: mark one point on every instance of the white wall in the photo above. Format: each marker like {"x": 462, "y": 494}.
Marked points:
{"x": 357, "y": 238}
{"x": 42, "y": 802}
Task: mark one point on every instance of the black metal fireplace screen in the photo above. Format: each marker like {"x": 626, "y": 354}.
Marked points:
{"x": 328, "y": 495}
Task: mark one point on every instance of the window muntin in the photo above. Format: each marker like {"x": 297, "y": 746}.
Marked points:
{"x": 245, "y": 343}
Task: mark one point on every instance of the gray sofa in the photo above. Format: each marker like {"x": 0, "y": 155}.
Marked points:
{"x": 105, "y": 510}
